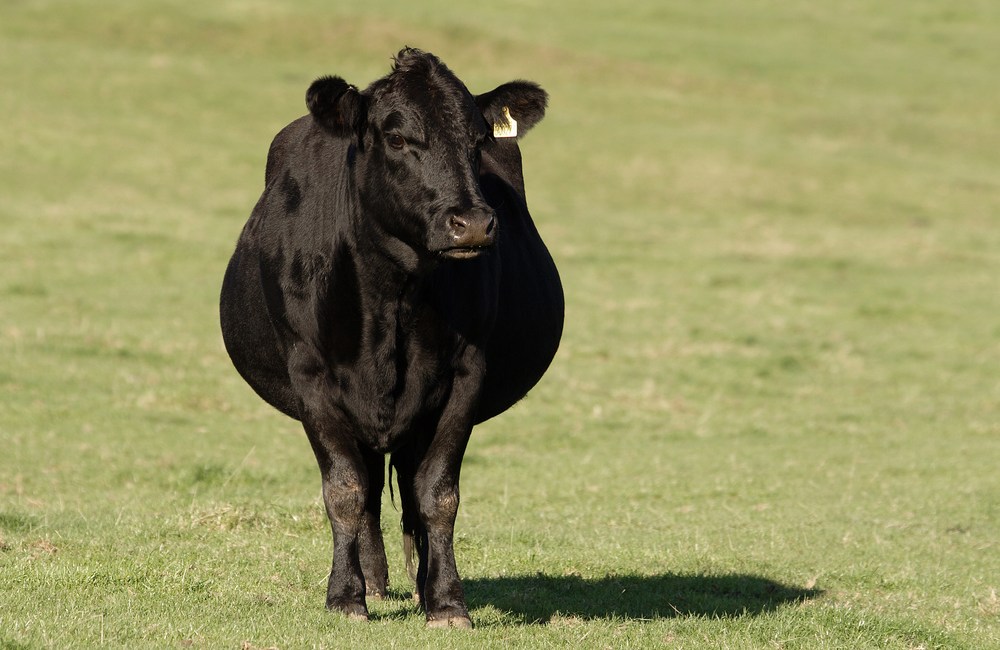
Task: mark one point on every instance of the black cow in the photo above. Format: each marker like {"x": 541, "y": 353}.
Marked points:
{"x": 390, "y": 291}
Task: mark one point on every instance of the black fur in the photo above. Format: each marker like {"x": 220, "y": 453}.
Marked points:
{"x": 390, "y": 291}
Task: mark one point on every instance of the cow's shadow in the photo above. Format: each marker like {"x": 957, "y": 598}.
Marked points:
{"x": 540, "y": 598}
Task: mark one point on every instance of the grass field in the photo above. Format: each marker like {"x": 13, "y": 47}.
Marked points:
{"x": 774, "y": 421}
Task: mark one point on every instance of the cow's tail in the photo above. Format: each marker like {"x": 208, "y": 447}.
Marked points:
{"x": 410, "y": 553}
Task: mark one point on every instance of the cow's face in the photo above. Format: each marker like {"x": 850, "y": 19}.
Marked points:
{"x": 417, "y": 136}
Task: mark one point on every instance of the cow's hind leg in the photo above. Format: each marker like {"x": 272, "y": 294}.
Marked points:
{"x": 414, "y": 535}
{"x": 371, "y": 548}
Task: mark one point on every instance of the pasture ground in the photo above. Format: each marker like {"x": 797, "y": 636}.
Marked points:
{"x": 775, "y": 418}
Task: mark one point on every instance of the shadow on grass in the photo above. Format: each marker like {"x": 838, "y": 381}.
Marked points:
{"x": 539, "y": 598}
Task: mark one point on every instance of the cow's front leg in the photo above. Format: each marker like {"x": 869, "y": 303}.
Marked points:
{"x": 344, "y": 470}
{"x": 345, "y": 490}
{"x": 437, "y": 496}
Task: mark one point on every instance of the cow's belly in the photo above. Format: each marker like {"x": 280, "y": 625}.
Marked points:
{"x": 249, "y": 337}
{"x": 526, "y": 335}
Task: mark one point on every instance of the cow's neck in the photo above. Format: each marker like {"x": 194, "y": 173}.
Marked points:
{"x": 385, "y": 289}
{"x": 389, "y": 274}
{"x": 389, "y": 291}
{"x": 392, "y": 388}
{"x": 389, "y": 264}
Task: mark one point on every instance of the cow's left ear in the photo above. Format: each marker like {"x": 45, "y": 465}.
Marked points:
{"x": 524, "y": 101}
{"x": 337, "y": 105}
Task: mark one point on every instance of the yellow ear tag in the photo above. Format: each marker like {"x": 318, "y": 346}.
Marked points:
{"x": 508, "y": 130}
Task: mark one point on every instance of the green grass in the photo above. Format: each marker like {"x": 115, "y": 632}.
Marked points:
{"x": 775, "y": 418}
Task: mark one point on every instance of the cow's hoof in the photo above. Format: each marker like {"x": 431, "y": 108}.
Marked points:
{"x": 375, "y": 594}
{"x": 353, "y": 611}
{"x": 461, "y": 622}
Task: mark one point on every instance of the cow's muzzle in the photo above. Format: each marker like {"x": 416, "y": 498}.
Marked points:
{"x": 471, "y": 233}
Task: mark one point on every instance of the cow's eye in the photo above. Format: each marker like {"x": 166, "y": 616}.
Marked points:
{"x": 395, "y": 141}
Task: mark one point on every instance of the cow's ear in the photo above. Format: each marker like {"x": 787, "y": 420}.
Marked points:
{"x": 524, "y": 101}
{"x": 337, "y": 105}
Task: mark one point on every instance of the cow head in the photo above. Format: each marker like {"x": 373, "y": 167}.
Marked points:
{"x": 416, "y": 140}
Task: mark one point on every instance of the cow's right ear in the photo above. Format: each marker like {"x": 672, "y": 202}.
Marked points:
{"x": 337, "y": 105}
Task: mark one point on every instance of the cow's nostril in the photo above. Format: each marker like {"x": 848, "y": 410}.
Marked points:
{"x": 459, "y": 223}
{"x": 489, "y": 226}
